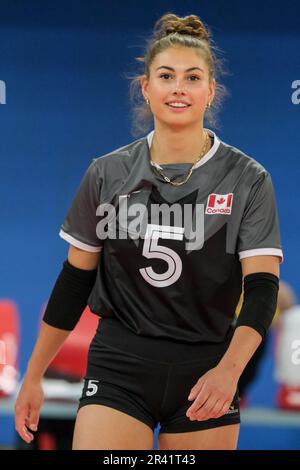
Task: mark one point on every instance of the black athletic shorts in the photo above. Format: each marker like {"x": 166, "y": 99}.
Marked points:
{"x": 150, "y": 378}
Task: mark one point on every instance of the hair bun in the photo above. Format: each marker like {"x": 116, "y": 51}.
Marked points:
{"x": 190, "y": 25}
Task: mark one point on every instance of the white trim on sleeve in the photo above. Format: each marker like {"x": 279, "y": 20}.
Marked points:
{"x": 262, "y": 252}
{"x": 83, "y": 246}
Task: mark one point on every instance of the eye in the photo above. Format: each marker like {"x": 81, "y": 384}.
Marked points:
{"x": 193, "y": 78}
{"x": 164, "y": 75}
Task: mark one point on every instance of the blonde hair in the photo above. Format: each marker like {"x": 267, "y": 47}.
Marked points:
{"x": 171, "y": 30}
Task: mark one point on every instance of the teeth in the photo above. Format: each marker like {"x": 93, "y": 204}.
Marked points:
{"x": 178, "y": 105}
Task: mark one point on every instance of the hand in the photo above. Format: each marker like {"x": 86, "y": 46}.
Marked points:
{"x": 212, "y": 394}
{"x": 27, "y": 408}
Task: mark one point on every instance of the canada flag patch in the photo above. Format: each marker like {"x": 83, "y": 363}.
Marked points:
{"x": 219, "y": 204}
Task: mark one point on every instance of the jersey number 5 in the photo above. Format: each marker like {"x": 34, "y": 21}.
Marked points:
{"x": 151, "y": 249}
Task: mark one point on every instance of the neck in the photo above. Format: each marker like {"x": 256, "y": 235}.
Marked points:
{"x": 177, "y": 146}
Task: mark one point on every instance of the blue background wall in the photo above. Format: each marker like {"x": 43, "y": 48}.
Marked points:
{"x": 64, "y": 64}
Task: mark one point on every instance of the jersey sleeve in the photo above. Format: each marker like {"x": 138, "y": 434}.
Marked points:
{"x": 259, "y": 232}
{"x": 79, "y": 225}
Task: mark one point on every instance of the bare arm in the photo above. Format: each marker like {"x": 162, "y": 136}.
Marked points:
{"x": 49, "y": 341}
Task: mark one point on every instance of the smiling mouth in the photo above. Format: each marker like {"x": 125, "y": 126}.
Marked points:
{"x": 178, "y": 107}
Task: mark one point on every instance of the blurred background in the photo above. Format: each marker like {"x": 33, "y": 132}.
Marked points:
{"x": 64, "y": 99}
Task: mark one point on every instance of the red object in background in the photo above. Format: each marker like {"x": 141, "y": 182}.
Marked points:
{"x": 72, "y": 357}
{"x": 288, "y": 398}
{"x": 46, "y": 441}
{"x": 9, "y": 347}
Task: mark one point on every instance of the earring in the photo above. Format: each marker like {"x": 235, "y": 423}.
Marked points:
{"x": 208, "y": 106}
{"x": 147, "y": 101}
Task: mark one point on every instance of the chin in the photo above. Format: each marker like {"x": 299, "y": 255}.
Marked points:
{"x": 175, "y": 122}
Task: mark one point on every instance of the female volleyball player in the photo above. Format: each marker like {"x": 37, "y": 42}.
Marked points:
{"x": 163, "y": 232}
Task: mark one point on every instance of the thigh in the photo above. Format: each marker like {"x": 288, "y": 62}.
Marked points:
{"x": 100, "y": 427}
{"x": 220, "y": 438}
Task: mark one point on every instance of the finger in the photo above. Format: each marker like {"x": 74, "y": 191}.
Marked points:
{"x": 203, "y": 413}
{"x": 33, "y": 420}
{"x": 207, "y": 410}
{"x": 224, "y": 409}
{"x": 27, "y": 421}
{"x": 199, "y": 401}
{"x": 26, "y": 435}
{"x": 21, "y": 417}
{"x": 195, "y": 390}
{"x": 214, "y": 412}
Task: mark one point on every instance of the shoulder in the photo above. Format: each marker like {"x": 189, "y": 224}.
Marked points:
{"x": 248, "y": 168}
{"x": 125, "y": 155}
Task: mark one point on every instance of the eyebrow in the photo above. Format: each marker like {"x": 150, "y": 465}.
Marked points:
{"x": 173, "y": 70}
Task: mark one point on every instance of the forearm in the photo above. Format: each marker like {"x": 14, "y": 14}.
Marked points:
{"x": 258, "y": 309}
{"x": 49, "y": 341}
{"x": 64, "y": 309}
{"x": 243, "y": 345}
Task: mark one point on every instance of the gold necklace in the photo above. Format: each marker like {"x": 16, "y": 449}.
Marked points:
{"x": 179, "y": 183}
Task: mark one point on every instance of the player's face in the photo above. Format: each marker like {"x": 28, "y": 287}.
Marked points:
{"x": 165, "y": 85}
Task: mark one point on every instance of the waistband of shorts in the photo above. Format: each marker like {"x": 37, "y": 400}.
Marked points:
{"x": 113, "y": 333}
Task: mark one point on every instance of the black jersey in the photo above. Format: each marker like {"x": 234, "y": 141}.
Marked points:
{"x": 165, "y": 283}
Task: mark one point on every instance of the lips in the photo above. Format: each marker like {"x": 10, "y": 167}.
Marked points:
{"x": 181, "y": 102}
{"x": 177, "y": 109}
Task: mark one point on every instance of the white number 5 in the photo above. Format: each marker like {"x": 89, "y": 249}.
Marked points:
{"x": 151, "y": 249}
{"x": 92, "y": 387}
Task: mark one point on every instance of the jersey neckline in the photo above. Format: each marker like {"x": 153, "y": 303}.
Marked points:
{"x": 203, "y": 160}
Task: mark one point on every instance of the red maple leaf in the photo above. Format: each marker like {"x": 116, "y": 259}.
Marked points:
{"x": 221, "y": 201}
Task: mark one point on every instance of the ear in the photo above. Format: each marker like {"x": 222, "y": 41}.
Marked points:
{"x": 144, "y": 85}
{"x": 212, "y": 90}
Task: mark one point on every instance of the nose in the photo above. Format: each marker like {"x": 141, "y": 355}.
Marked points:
{"x": 179, "y": 86}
